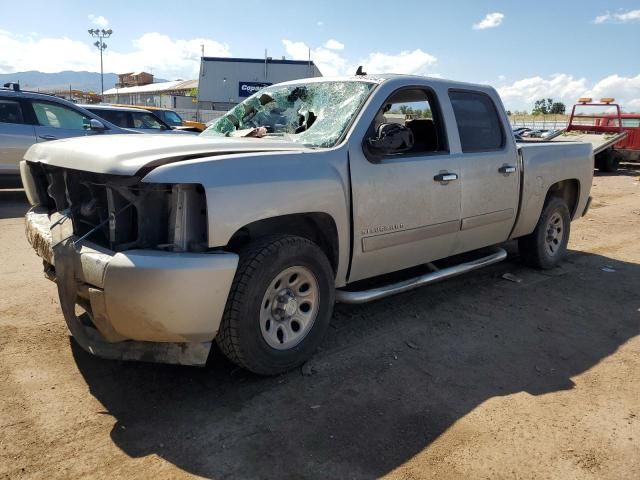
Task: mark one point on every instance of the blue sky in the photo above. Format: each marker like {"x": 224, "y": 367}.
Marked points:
{"x": 526, "y": 49}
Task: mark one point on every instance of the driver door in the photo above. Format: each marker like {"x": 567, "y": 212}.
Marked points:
{"x": 406, "y": 205}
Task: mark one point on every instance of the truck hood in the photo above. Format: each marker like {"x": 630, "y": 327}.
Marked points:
{"x": 139, "y": 154}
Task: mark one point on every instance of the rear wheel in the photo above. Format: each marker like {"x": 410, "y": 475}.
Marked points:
{"x": 546, "y": 246}
{"x": 609, "y": 161}
{"x": 279, "y": 306}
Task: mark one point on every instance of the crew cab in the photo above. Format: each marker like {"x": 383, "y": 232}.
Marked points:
{"x": 306, "y": 193}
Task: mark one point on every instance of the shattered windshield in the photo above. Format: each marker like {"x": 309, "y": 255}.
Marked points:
{"x": 314, "y": 114}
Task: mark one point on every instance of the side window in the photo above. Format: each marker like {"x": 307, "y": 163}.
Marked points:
{"x": 59, "y": 116}
{"x": 478, "y": 122}
{"x": 146, "y": 121}
{"x": 631, "y": 122}
{"x": 10, "y": 111}
{"x": 417, "y": 110}
{"x": 121, "y": 118}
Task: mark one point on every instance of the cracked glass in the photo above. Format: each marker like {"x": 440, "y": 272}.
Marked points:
{"x": 315, "y": 114}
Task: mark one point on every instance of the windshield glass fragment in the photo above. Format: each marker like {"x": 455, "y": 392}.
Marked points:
{"x": 314, "y": 114}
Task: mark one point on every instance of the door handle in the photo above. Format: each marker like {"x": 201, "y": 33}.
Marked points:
{"x": 507, "y": 169}
{"x": 47, "y": 137}
{"x": 445, "y": 177}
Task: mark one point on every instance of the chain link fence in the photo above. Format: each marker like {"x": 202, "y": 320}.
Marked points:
{"x": 540, "y": 122}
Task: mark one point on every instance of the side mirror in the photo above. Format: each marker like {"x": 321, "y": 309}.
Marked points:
{"x": 96, "y": 125}
{"x": 391, "y": 138}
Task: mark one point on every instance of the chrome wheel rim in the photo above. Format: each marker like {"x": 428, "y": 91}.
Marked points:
{"x": 554, "y": 234}
{"x": 289, "y": 307}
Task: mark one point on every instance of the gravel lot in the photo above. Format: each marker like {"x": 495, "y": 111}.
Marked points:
{"x": 476, "y": 377}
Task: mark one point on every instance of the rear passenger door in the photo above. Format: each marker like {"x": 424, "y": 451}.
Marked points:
{"x": 55, "y": 121}
{"x": 16, "y": 135}
{"x": 489, "y": 171}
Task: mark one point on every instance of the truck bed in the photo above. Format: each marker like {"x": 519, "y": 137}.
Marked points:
{"x": 544, "y": 163}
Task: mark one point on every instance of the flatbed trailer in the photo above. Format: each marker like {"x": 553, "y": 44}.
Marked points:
{"x": 596, "y": 129}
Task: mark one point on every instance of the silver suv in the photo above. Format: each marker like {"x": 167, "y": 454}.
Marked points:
{"x": 30, "y": 117}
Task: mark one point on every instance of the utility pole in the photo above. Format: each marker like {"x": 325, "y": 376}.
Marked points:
{"x": 200, "y": 76}
{"x": 100, "y": 34}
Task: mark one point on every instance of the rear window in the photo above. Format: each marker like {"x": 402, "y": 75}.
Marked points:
{"x": 478, "y": 122}
{"x": 10, "y": 111}
{"x": 172, "y": 118}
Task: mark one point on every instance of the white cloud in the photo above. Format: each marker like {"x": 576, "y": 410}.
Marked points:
{"x": 602, "y": 18}
{"x": 409, "y": 62}
{"x": 333, "y": 44}
{"x": 626, "y": 90}
{"x": 320, "y": 23}
{"x": 491, "y": 20}
{"x": 169, "y": 58}
{"x": 99, "y": 21}
{"x": 630, "y": 16}
{"x": 328, "y": 61}
{"x": 521, "y": 94}
{"x": 528, "y": 90}
{"x": 334, "y": 63}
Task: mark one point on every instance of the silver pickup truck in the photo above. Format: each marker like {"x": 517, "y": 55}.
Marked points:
{"x": 306, "y": 193}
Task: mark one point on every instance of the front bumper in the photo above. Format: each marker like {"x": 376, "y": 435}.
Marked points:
{"x": 139, "y": 304}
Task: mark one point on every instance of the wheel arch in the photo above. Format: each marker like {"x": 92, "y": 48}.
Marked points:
{"x": 319, "y": 227}
{"x": 569, "y": 191}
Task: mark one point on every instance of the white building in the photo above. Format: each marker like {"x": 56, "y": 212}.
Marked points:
{"x": 174, "y": 95}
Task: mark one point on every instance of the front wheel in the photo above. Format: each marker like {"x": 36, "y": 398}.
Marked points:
{"x": 546, "y": 246}
{"x": 279, "y": 306}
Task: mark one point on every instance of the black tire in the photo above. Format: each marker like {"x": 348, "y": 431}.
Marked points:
{"x": 240, "y": 336}
{"x": 609, "y": 161}
{"x": 541, "y": 249}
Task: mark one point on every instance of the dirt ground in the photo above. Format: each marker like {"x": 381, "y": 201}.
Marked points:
{"x": 476, "y": 377}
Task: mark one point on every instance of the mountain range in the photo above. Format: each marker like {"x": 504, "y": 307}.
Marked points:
{"x": 86, "y": 81}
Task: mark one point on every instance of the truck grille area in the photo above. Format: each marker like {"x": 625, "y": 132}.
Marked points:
{"x": 121, "y": 213}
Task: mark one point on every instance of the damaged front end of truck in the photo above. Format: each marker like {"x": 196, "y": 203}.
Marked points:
{"x": 135, "y": 277}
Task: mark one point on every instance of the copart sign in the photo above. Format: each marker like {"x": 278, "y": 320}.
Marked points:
{"x": 246, "y": 89}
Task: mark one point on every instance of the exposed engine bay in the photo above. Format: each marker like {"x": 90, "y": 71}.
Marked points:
{"x": 122, "y": 213}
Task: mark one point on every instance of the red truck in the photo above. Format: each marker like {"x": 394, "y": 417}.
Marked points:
{"x": 629, "y": 147}
{"x": 615, "y": 136}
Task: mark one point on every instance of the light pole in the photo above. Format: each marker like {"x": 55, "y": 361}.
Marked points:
{"x": 100, "y": 45}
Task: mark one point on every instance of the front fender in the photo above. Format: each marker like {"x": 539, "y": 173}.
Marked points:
{"x": 245, "y": 188}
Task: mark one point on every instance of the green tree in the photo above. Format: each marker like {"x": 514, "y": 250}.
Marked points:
{"x": 542, "y": 106}
{"x": 546, "y": 106}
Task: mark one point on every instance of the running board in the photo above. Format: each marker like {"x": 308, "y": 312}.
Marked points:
{"x": 364, "y": 296}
